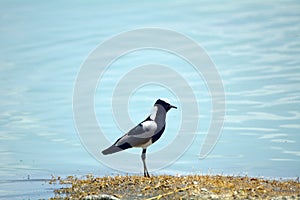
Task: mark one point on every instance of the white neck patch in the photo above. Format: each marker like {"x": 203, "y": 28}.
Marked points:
{"x": 153, "y": 113}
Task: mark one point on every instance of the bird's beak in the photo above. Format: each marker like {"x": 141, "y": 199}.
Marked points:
{"x": 171, "y": 106}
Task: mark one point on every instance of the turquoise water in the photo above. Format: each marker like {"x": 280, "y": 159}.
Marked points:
{"x": 254, "y": 45}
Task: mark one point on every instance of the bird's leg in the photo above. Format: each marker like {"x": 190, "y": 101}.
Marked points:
{"x": 146, "y": 174}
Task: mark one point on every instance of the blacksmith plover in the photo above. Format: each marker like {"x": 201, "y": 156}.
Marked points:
{"x": 145, "y": 133}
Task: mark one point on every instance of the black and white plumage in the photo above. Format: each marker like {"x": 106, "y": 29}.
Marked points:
{"x": 145, "y": 133}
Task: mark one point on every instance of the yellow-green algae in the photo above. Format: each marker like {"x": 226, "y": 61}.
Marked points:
{"x": 176, "y": 187}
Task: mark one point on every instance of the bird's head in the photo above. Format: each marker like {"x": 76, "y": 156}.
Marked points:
{"x": 165, "y": 103}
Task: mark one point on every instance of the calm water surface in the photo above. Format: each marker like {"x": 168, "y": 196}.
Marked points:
{"x": 254, "y": 45}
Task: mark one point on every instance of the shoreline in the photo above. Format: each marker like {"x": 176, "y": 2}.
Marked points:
{"x": 176, "y": 187}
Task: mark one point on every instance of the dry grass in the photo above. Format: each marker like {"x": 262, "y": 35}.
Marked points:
{"x": 173, "y": 187}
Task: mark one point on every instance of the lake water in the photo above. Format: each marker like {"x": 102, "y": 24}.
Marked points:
{"x": 254, "y": 45}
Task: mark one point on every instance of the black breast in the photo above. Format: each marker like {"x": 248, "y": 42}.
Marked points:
{"x": 157, "y": 135}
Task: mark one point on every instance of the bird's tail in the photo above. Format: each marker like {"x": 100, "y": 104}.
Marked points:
{"x": 111, "y": 149}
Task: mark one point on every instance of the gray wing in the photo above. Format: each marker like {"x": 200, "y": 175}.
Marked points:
{"x": 139, "y": 135}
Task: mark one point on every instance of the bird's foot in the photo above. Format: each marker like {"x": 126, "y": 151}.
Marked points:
{"x": 146, "y": 174}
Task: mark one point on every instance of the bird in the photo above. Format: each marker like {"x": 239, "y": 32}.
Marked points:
{"x": 145, "y": 133}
